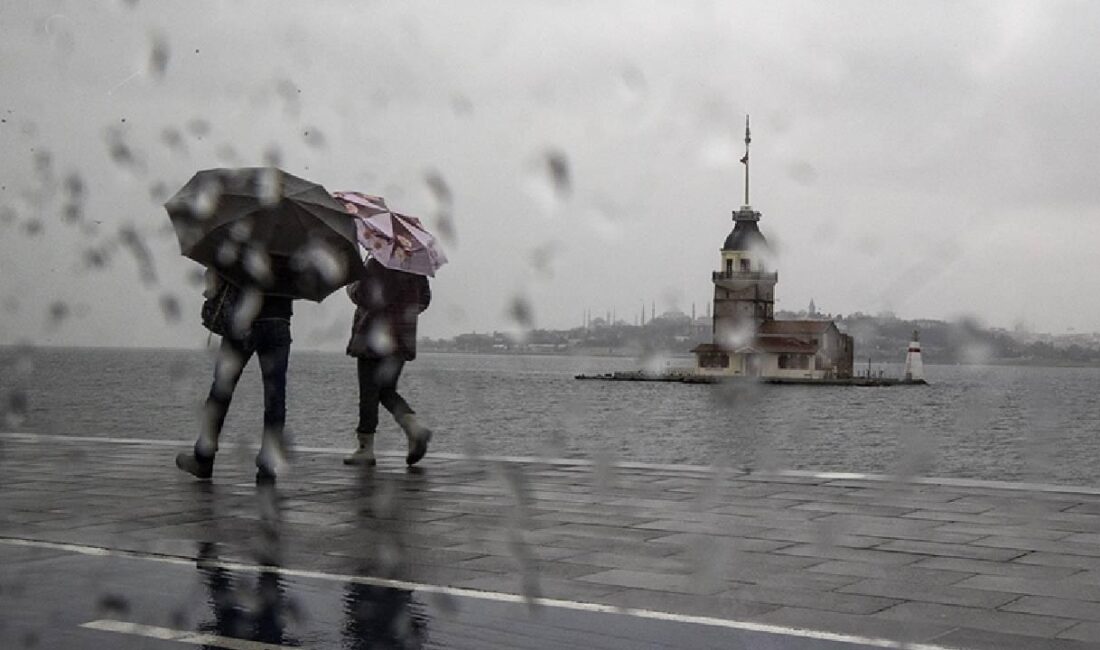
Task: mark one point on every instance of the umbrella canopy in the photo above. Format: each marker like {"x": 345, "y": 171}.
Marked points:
{"x": 398, "y": 241}
{"x": 262, "y": 227}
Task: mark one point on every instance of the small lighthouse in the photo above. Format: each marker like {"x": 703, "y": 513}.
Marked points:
{"x": 914, "y": 367}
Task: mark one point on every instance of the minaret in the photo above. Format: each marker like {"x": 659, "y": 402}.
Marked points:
{"x": 914, "y": 367}
{"x": 744, "y": 286}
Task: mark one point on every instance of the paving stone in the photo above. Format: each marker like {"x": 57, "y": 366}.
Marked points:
{"x": 687, "y": 540}
{"x": 1026, "y": 532}
{"x": 719, "y": 525}
{"x": 596, "y": 517}
{"x": 1081, "y": 562}
{"x": 1084, "y": 632}
{"x": 671, "y": 582}
{"x": 1064, "y": 546}
{"x": 802, "y": 580}
{"x": 817, "y": 535}
{"x": 1015, "y": 568}
{"x": 976, "y": 639}
{"x": 504, "y": 549}
{"x": 1078, "y": 609}
{"x": 870, "y": 556}
{"x": 829, "y": 601}
{"x": 600, "y": 532}
{"x": 542, "y": 569}
{"x": 910, "y": 574}
{"x": 974, "y": 617}
{"x": 1055, "y": 588}
{"x": 950, "y": 550}
{"x": 908, "y": 590}
{"x": 668, "y": 564}
{"x": 854, "y": 508}
{"x": 963, "y": 517}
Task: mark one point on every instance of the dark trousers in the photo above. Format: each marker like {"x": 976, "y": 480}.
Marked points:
{"x": 269, "y": 339}
{"x": 378, "y": 384}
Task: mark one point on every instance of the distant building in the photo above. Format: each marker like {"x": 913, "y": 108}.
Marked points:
{"x": 747, "y": 340}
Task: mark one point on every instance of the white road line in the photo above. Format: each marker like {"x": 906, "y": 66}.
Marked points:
{"x": 1055, "y": 488}
{"x": 492, "y": 596}
{"x": 180, "y": 636}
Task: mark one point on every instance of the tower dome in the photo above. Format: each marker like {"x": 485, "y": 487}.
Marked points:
{"x": 746, "y": 234}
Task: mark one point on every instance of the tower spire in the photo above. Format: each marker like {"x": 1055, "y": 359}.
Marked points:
{"x": 745, "y": 159}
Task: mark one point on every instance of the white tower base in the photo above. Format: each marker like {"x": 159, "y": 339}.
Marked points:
{"x": 914, "y": 367}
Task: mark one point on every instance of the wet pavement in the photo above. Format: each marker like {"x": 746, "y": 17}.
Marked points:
{"x": 104, "y": 544}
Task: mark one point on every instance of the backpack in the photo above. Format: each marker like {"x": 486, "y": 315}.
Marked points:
{"x": 217, "y": 312}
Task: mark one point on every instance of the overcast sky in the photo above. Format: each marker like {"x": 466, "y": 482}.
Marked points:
{"x": 931, "y": 159}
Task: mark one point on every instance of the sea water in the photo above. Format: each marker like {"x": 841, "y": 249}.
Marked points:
{"x": 988, "y": 422}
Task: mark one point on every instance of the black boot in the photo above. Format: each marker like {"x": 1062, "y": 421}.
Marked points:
{"x": 201, "y": 467}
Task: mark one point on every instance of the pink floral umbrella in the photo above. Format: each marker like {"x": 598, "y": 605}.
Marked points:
{"x": 398, "y": 241}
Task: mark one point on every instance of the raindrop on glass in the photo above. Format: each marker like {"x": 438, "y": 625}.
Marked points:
{"x": 240, "y": 231}
{"x": 32, "y": 227}
{"x": 227, "y": 155}
{"x": 158, "y": 57}
{"x": 228, "y": 253}
{"x": 120, "y": 152}
{"x": 14, "y": 406}
{"x": 170, "y": 306}
{"x": 521, "y": 312}
{"x": 273, "y": 157}
{"x": 461, "y": 105}
{"x": 113, "y": 603}
{"x": 71, "y": 213}
{"x": 58, "y": 312}
{"x": 270, "y": 187}
{"x": 379, "y": 339}
{"x": 206, "y": 199}
{"x": 196, "y": 277}
{"x": 802, "y": 173}
{"x": 198, "y": 127}
{"x": 632, "y": 85}
{"x": 173, "y": 139}
{"x": 257, "y": 264}
{"x": 319, "y": 257}
{"x": 314, "y": 138}
{"x": 543, "y": 256}
{"x": 43, "y": 164}
{"x": 133, "y": 241}
{"x": 158, "y": 192}
{"x": 548, "y": 180}
{"x": 444, "y": 200}
{"x": 74, "y": 186}
{"x": 95, "y": 258}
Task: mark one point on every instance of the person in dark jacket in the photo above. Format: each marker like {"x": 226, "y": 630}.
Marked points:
{"x": 261, "y": 326}
{"x": 383, "y": 338}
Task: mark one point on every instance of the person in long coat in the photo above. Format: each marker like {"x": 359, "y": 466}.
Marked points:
{"x": 383, "y": 338}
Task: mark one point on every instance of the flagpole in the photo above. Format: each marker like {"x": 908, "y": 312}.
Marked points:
{"x": 745, "y": 160}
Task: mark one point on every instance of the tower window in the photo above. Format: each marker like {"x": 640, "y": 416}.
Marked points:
{"x": 729, "y": 267}
{"x": 744, "y": 264}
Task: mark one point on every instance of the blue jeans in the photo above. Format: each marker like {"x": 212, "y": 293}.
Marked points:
{"x": 269, "y": 339}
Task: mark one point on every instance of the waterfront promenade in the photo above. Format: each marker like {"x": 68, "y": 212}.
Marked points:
{"x": 103, "y": 543}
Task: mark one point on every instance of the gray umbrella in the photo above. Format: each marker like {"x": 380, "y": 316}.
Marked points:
{"x": 263, "y": 228}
